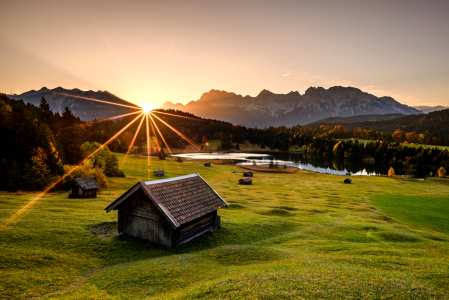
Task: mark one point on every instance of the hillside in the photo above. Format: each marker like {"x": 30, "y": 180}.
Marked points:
{"x": 353, "y": 119}
{"x": 434, "y": 123}
{"x": 86, "y": 110}
{"x": 270, "y": 109}
{"x": 287, "y": 236}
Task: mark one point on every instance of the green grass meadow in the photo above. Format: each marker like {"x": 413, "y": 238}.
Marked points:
{"x": 287, "y": 236}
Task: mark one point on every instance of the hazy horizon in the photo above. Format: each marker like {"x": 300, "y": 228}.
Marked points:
{"x": 176, "y": 51}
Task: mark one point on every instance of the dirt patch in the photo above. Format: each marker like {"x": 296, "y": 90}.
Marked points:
{"x": 105, "y": 230}
{"x": 268, "y": 170}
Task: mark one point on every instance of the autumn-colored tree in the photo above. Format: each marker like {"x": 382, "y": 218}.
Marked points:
{"x": 38, "y": 165}
{"x": 398, "y": 136}
{"x": 442, "y": 172}
{"x": 391, "y": 172}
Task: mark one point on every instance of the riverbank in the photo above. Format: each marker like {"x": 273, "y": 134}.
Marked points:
{"x": 270, "y": 170}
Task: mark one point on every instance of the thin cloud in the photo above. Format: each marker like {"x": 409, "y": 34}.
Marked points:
{"x": 285, "y": 75}
{"x": 160, "y": 89}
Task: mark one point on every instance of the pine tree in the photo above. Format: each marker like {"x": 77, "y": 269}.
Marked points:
{"x": 161, "y": 154}
{"x": 14, "y": 178}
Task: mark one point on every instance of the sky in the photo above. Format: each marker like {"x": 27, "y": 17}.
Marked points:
{"x": 158, "y": 51}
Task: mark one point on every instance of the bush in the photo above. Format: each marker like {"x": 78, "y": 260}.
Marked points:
{"x": 103, "y": 159}
{"x": 86, "y": 170}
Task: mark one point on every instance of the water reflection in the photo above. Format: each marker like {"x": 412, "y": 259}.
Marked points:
{"x": 305, "y": 162}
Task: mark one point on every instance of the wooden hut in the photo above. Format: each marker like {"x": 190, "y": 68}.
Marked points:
{"x": 207, "y": 165}
{"x": 170, "y": 211}
{"x": 248, "y": 174}
{"x": 85, "y": 187}
{"x": 246, "y": 180}
{"x": 159, "y": 173}
{"x": 348, "y": 180}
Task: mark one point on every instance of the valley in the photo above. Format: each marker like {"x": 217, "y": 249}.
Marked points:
{"x": 300, "y": 235}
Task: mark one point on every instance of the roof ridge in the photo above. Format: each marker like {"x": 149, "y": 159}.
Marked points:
{"x": 170, "y": 179}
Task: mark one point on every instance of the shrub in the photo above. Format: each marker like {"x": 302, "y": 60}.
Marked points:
{"x": 86, "y": 170}
{"x": 391, "y": 172}
{"x": 178, "y": 159}
{"x": 442, "y": 172}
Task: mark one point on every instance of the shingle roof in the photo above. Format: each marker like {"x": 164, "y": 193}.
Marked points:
{"x": 87, "y": 183}
{"x": 181, "y": 199}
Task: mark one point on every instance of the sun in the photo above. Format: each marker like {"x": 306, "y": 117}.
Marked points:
{"x": 146, "y": 108}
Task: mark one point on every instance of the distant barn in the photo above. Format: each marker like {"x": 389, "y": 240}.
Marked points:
{"x": 348, "y": 180}
{"x": 85, "y": 187}
{"x": 245, "y": 180}
{"x": 248, "y": 174}
{"x": 159, "y": 173}
{"x": 207, "y": 164}
{"x": 170, "y": 211}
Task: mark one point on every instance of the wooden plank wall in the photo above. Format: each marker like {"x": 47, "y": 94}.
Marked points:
{"x": 140, "y": 218}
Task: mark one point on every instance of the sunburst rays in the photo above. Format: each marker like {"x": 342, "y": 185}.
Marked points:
{"x": 145, "y": 114}
{"x": 29, "y": 204}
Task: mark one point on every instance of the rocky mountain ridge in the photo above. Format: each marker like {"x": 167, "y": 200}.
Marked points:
{"x": 270, "y": 109}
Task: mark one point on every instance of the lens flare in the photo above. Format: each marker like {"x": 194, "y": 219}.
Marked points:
{"x": 160, "y": 112}
{"x": 178, "y": 132}
{"x": 20, "y": 211}
{"x": 134, "y": 139}
{"x": 96, "y": 100}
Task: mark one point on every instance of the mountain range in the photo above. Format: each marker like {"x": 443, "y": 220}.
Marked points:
{"x": 428, "y": 109}
{"x": 86, "y": 110}
{"x": 270, "y": 109}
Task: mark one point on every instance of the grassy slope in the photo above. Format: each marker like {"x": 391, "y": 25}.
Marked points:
{"x": 302, "y": 235}
{"x": 426, "y": 212}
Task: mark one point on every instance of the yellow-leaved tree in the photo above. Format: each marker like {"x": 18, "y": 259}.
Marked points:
{"x": 442, "y": 172}
{"x": 391, "y": 172}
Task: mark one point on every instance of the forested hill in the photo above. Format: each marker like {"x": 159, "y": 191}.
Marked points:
{"x": 434, "y": 124}
{"x": 353, "y": 119}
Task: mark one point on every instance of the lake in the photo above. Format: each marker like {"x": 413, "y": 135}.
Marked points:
{"x": 305, "y": 162}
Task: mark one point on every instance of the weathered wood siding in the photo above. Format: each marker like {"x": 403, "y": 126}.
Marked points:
{"x": 189, "y": 231}
{"x": 140, "y": 218}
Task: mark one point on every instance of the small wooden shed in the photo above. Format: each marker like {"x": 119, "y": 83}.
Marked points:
{"x": 207, "y": 165}
{"x": 170, "y": 211}
{"x": 348, "y": 180}
{"x": 248, "y": 174}
{"x": 85, "y": 187}
{"x": 246, "y": 180}
{"x": 159, "y": 173}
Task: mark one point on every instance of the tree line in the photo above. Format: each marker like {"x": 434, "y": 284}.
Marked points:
{"x": 40, "y": 145}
